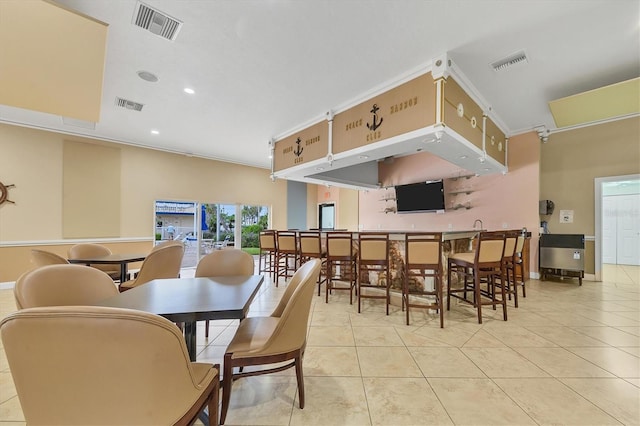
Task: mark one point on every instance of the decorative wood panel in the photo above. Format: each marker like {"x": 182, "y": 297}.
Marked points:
{"x": 408, "y": 107}
{"x": 302, "y": 147}
{"x": 461, "y": 113}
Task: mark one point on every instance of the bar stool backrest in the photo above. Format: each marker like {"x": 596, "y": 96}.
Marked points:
{"x": 519, "y": 244}
{"x": 287, "y": 241}
{"x": 373, "y": 246}
{"x": 511, "y": 238}
{"x": 268, "y": 240}
{"x": 340, "y": 245}
{"x": 490, "y": 247}
{"x": 423, "y": 248}
{"x": 310, "y": 244}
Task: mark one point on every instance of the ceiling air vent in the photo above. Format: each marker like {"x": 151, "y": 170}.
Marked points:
{"x": 157, "y": 22}
{"x": 504, "y": 63}
{"x": 127, "y": 104}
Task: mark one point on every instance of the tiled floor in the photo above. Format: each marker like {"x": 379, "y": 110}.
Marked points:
{"x": 567, "y": 355}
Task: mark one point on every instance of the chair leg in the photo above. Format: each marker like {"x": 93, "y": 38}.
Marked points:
{"x": 438, "y": 282}
{"x": 449, "y": 287}
{"x": 476, "y": 295}
{"x": 300, "y": 378}
{"x": 214, "y": 402}
{"x": 227, "y": 382}
{"x": 504, "y": 299}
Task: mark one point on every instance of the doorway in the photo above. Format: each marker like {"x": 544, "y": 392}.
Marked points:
{"x": 177, "y": 220}
{"x": 617, "y": 217}
{"x": 326, "y": 215}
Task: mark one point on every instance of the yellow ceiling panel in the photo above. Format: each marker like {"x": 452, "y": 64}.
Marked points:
{"x": 616, "y": 100}
{"x": 52, "y": 59}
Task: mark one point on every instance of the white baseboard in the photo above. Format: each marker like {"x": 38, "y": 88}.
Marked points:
{"x": 7, "y": 286}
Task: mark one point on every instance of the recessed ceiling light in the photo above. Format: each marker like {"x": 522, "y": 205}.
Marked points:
{"x": 270, "y": 156}
{"x": 363, "y": 157}
{"x": 319, "y": 169}
{"x": 148, "y": 76}
{"x": 155, "y": 132}
{"x": 189, "y": 90}
{"x": 463, "y": 157}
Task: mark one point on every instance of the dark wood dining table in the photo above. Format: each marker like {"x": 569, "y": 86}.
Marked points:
{"x": 112, "y": 259}
{"x": 188, "y": 300}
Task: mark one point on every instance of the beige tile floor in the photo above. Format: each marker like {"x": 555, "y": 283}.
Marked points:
{"x": 567, "y": 355}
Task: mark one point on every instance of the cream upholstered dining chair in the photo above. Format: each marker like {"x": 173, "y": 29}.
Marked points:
{"x": 84, "y": 250}
{"x": 168, "y": 243}
{"x": 222, "y": 263}
{"x": 161, "y": 263}
{"x": 277, "y": 338}
{"x": 43, "y": 258}
{"x": 85, "y": 370}
{"x": 62, "y": 285}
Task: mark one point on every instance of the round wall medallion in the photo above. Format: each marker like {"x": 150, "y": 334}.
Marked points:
{"x": 493, "y": 140}
{"x": 500, "y": 146}
{"x": 460, "y": 110}
{"x": 474, "y": 122}
{"x": 4, "y": 193}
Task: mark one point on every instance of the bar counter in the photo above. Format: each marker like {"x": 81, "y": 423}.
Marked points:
{"x": 452, "y": 242}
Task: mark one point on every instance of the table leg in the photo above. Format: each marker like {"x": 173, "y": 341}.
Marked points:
{"x": 190, "y": 339}
{"x": 123, "y": 272}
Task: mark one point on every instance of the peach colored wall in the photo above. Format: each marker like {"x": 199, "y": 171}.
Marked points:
{"x": 346, "y": 202}
{"x": 500, "y": 201}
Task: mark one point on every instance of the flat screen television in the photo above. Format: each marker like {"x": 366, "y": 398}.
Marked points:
{"x": 420, "y": 197}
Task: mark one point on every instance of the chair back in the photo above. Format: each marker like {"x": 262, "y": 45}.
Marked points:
{"x": 510, "y": 242}
{"x": 423, "y": 249}
{"x": 490, "y": 247}
{"x": 373, "y": 247}
{"x": 84, "y": 250}
{"x": 162, "y": 263}
{"x": 221, "y": 263}
{"x": 287, "y": 241}
{"x": 268, "y": 240}
{"x": 519, "y": 245}
{"x": 293, "y": 310}
{"x": 43, "y": 258}
{"x": 310, "y": 244}
{"x": 168, "y": 243}
{"x": 69, "y": 364}
{"x": 340, "y": 245}
{"x": 62, "y": 285}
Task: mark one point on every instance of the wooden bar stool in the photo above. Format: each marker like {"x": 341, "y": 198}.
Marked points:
{"x": 485, "y": 263}
{"x": 373, "y": 257}
{"x": 507, "y": 278}
{"x": 517, "y": 262}
{"x": 287, "y": 255}
{"x": 423, "y": 254}
{"x": 311, "y": 248}
{"x": 341, "y": 263}
{"x": 267, "y": 256}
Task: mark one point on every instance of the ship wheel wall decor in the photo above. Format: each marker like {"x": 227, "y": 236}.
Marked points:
{"x": 4, "y": 193}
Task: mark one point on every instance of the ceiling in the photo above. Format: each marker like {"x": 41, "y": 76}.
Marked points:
{"x": 263, "y": 68}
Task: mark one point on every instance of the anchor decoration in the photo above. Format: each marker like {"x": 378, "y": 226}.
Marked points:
{"x": 376, "y": 123}
{"x": 4, "y": 193}
{"x": 299, "y": 149}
